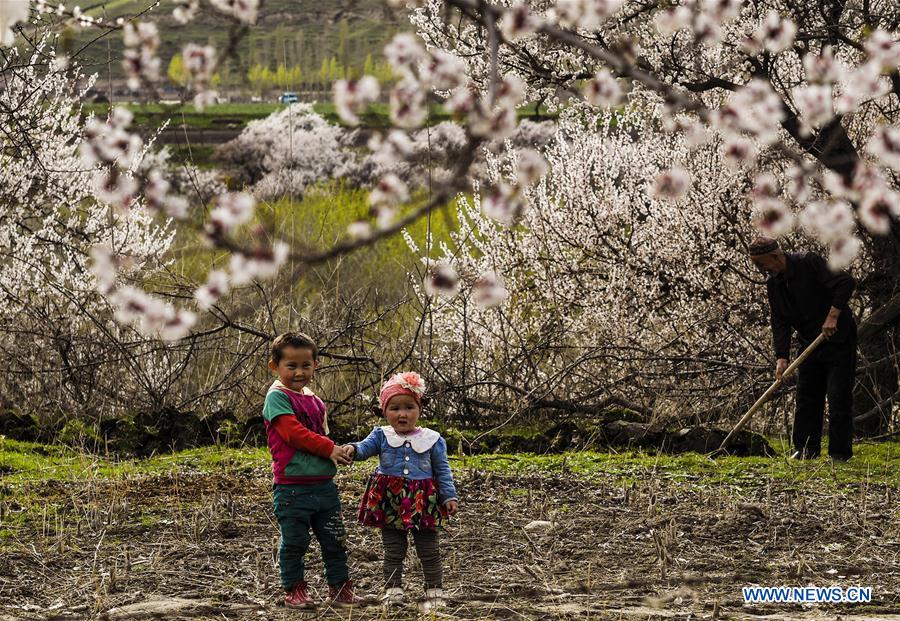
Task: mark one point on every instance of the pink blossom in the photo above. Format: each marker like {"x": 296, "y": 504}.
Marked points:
{"x": 530, "y": 166}
{"x": 216, "y": 286}
{"x": 503, "y": 204}
{"x": 489, "y": 290}
{"x": 671, "y": 184}
{"x": 404, "y": 53}
{"x": 407, "y": 104}
{"x": 885, "y": 145}
{"x": 603, "y": 90}
{"x": 441, "y": 280}
{"x": 519, "y": 23}
{"x": 772, "y": 217}
{"x": 352, "y": 96}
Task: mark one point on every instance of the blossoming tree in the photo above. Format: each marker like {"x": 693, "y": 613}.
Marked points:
{"x": 801, "y": 96}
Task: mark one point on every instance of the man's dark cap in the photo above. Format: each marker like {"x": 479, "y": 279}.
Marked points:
{"x": 762, "y": 245}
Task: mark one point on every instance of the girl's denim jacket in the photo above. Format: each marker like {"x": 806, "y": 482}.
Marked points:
{"x": 421, "y": 454}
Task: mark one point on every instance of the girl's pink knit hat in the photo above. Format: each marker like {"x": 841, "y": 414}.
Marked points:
{"x": 409, "y": 383}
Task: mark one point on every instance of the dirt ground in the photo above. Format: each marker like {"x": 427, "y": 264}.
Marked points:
{"x": 201, "y": 546}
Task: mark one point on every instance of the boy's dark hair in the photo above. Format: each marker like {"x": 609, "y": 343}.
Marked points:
{"x": 292, "y": 339}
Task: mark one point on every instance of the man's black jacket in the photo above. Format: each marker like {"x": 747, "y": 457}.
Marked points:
{"x": 800, "y": 298}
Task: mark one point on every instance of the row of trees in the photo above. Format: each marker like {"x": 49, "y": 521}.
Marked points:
{"x": 262, "y": 78}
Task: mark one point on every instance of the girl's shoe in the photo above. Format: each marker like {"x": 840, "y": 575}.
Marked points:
{"x": 341, "y": 595}
{"x": 392, "y": 597}
{"x": 298, "y": 597}
{"x": 434, "y": 599}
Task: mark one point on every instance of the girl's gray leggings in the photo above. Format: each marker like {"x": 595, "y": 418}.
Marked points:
{"x": 395, "y": 545}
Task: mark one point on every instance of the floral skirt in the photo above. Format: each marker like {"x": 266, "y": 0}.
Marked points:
{"x": 398, "y": 502}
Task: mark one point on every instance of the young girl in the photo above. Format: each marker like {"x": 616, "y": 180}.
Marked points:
{"x": 412, "y": 489}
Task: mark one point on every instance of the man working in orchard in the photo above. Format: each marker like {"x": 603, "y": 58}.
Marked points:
{"x": 806, "y": 296}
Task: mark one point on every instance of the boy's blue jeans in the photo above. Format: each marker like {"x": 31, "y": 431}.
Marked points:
{"x": 299, "y": 508}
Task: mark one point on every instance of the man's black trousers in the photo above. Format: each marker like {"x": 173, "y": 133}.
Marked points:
{"x": 829, "y": 371}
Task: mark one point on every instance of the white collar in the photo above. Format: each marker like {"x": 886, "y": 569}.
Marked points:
{"x": 421, "y": 440}
{"x": 277, "y": 385}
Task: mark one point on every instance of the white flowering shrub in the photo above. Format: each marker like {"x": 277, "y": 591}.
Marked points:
{"x": 56, "y": 336}
{"x": 295, "y": 139}
{"x": 604, "y": 286}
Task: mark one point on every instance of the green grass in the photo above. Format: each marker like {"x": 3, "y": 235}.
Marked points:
{"x": 877, "y": 464}
{"x": 317, "y": 221}
{"x": 238, "y": 115}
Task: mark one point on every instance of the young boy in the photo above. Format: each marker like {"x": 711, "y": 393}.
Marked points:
{"x": 304, "y": 462}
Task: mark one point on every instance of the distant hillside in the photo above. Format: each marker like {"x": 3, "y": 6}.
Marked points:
{"x": 314, "y": 41}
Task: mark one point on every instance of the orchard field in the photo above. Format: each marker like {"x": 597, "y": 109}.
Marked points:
{"x": 190, "y": 535}
{"x": 635, "y": 266}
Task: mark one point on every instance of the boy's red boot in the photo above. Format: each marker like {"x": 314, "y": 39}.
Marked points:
{"x": 298, "y": 597}
{"x": 342, "y": 596}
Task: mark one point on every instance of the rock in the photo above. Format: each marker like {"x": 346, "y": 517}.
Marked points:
{"x": 538, "y": 526}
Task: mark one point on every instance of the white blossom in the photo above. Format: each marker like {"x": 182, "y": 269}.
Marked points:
{"x": 739, "y": 152}
{"x": 390, "y": 191}
{"x": 185, "y": 10}
{"x": 442, "y": 70}
{"x": 814, "y": 103}
{"x": 877, "y": 209}
{"x": 842, "y": 252}
{"x": 776, "y": 33}
{"x": 11, "y": 13}
{"x": 828, "y": 220}
{"x": 772, "y": 217}
{"x": 883, "y": 49}
{"x": 861, "y": 84}
{"x": 407, "y": 104}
